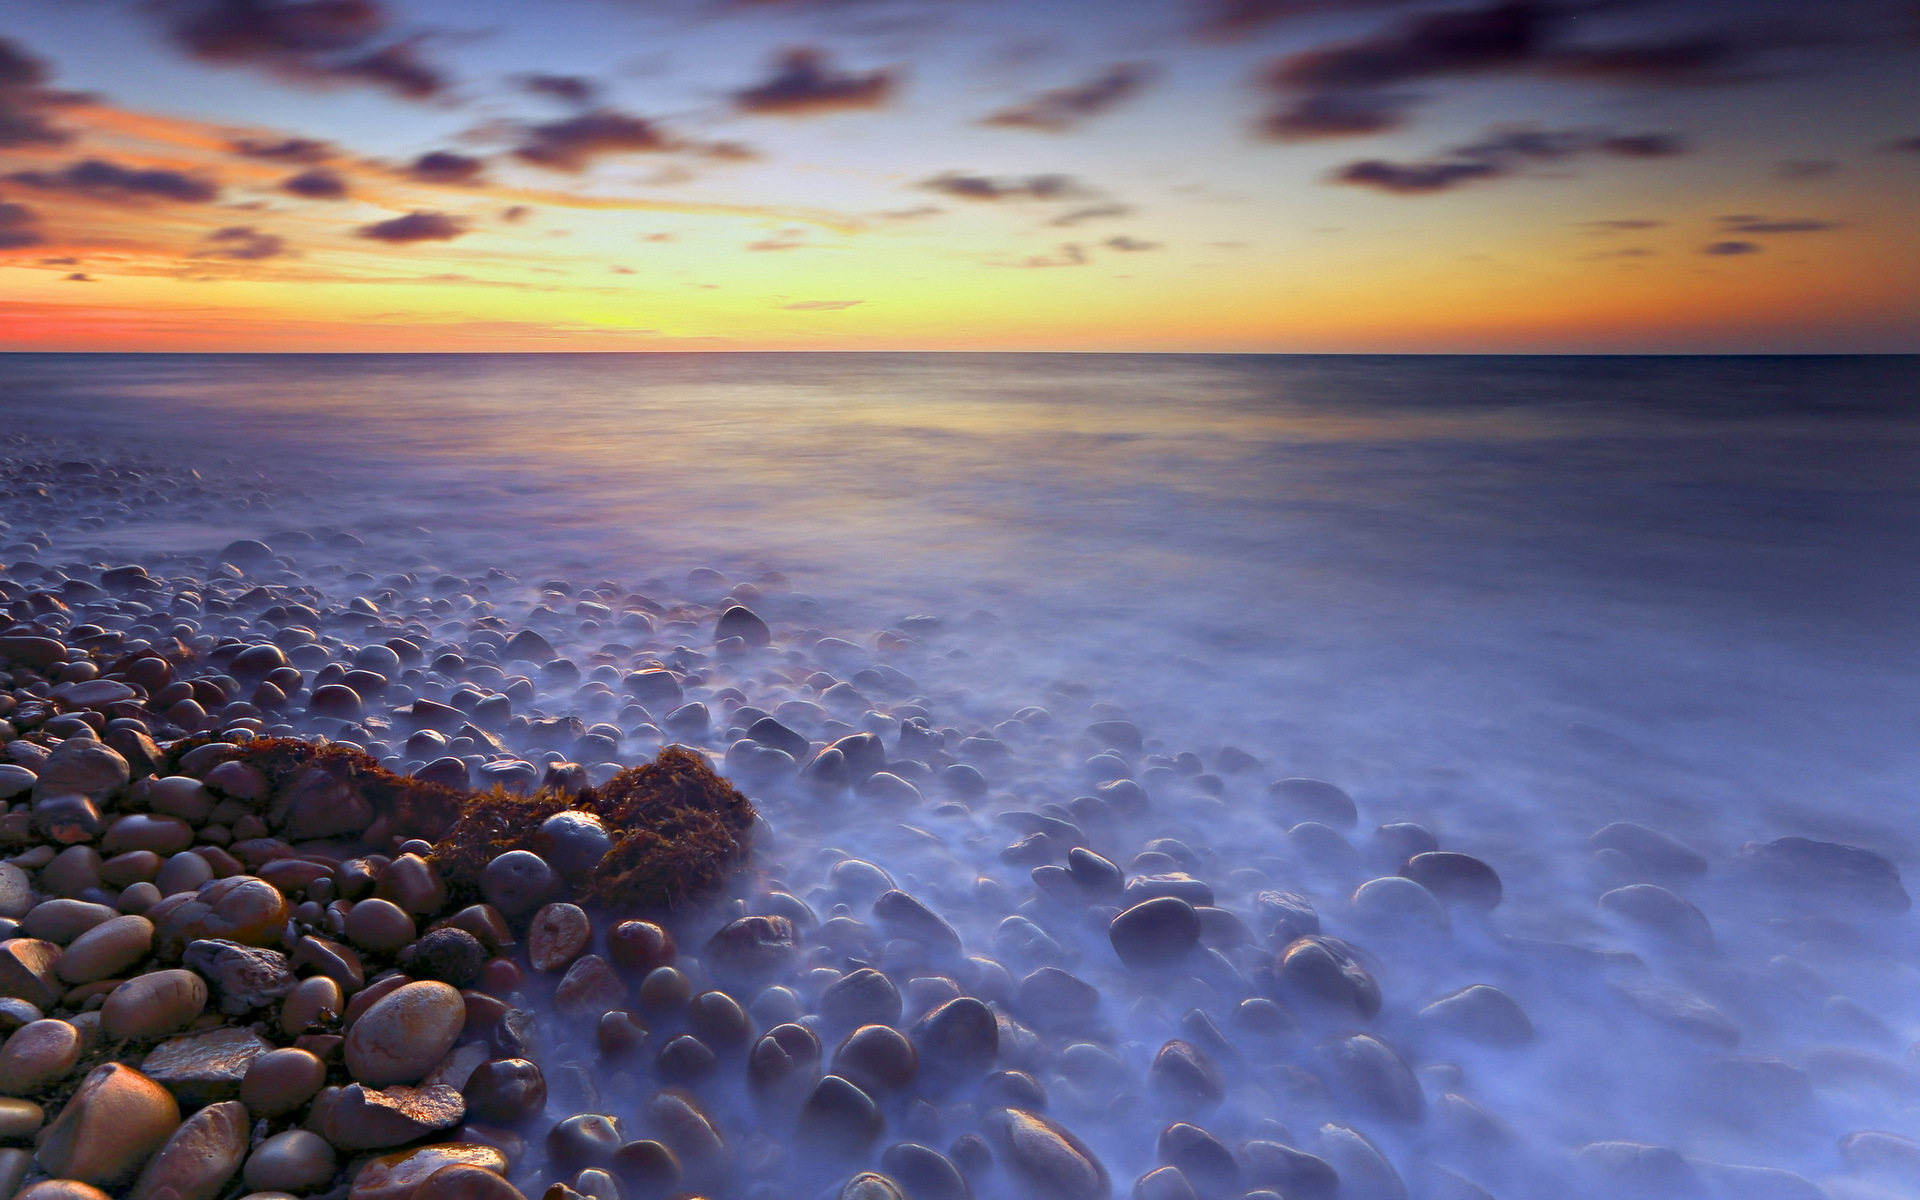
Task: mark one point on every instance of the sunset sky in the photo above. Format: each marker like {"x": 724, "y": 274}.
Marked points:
{"x": 1209, "y": 175}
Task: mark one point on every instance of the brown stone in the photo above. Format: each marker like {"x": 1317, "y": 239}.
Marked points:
{"x": 153, "y": 1005}
{"x": 38, "y": 1053}
{"x": 242, "y": 977}
{"x": 405, "y": 1034}
{"x": 295, "y": 1161}
{"x": 312, "y": 1000}
{"x": 414, "y": 884}
{"x": 379, "y": 925}
{"x": 240, "y": 908}
{"x": 28, "y": 971}
{"x": 337, "y": 962}
{"x": 558, "y": 935}
{"x": 202, "y": 1068}
{"x": 1047, "y": 1159}
{"x": 360, "y": 1118}
{"x": 590, "y": 987}
{"x": 200, "y": 1157}
{"x": 109, "y": 948}
{"x": 317, "y": 804}
{"x": 63, "y": 920}
{"x": 463, "y": 1181}
{"x": 115, "y": 1120}
{"x": 20, "y": 1118}
{"x": 397, "y": 1176}
{"x": 279, "y": 1081}
{"x": 61, "y": 1189}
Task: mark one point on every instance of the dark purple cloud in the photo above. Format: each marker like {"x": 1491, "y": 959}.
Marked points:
{"x": 1006, "y": 187}
{"x": 444, "y": 166}
{"x": 1233, "y": 19}
{"x": 1905, "y": 145}
{"x": 104, "y": 180}
{"x": 804, "y": 82}
{"x": 19, "y": 226}
{"x": 1338, "y": 114}
{"x": 1365, "y": 85}
{"x": 25, "y": 101}
{"x": 320, "y": 183}
{"x": 307, "y": 41}
{"x": 1091, "y": 212}
{"x": 298, "y": 150}
{"x": 1500, "y": 154}
{"x": 573, "y": 144}
{"x": 1064, "y": 108}
{"x": 1129, "y": 244}
{"x": 243, "y": 243}
{"x": 1730, "y": 249}
{"x": 568, "y": 89}
{"x": 1752, "y": 224}
{"x": 80, "y": 277}
{"x": 417, "y": 226}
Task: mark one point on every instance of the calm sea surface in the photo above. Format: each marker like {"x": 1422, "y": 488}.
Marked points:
{"x": 1662, "y": 585}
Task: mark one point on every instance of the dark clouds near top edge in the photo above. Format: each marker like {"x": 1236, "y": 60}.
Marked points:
{"x": 1369, "y": 84}
{"x": 27, "y": 105}
{"x": 805, "y": 82}
{"x": 316, "y": 42}
{"x": 1502, "y": 153}
{"x": 1061, "y": 109}
{"x": 102, "y": 179}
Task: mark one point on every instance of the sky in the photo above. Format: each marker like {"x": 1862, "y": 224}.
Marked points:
{"x": 1690, "y": 176}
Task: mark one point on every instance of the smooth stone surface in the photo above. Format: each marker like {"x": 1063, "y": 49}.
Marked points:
{"x": 1155, "y": 933}
{"x": 379, "y": 925}
{"x": 402, "y": 1036}
{"x": 200, "y": 1157}
{"x": 361, "y": 1118}
{"x": 201, "y": 1068}
{"x": 558, "y": 934}
{"x": 311, "y": 1000}
{"x": 62, "y": 921}
{"x": 295, "y": 1162}
{"x": 38, "y": 1054}
{"x": 153, "y": 1005}
{"x": 398, "y": 1176}
{"x": 107, "y": 949}
{"x": 1045, "y": 1159}
{"x": 1481, "y": 1013}
{"x": 279, "y": 1081}
{"x": 114, "y": 1121}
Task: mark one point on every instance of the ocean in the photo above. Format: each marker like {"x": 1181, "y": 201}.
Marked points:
{"x": 1512, "y": 599}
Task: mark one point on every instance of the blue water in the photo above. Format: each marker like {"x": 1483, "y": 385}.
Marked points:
{"x": 1511, "y": 598}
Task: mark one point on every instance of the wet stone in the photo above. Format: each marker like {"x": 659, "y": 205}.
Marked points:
{"x": 506, "y": 1091}
{"x": 1322, "y": 973}
{"x": 379, "y": 925}
{"x": 1289, "y": 1171}
{"x": 590, "y": 987}
{"x": 750, "y": 950}
{"x": 1045, "y": 1159}
{"x": 869, "y": 1185}
{"x": 876, "y": 1058}
{"x": 1186, "y": 1076}
{"x": 518, "y": 882}
{"x": 239, "y": 908}
{"x": 1659, "y": 912}
{"x": 403, "y": 1035}
{"x": 1155, "y": 933}
{"x": 29, "y": 971}
{"x": 588, "y": 1140}
{"x": 112, "y": 1123}
{"x": 243, "y": 978}
{"x": 38, "y": 1054}
{"x": 1649, "y": 850}
{"x": 293, "y": 1162}
{"x": 924, "y": 1173}
{"x": 360, "y": 1118}
{"x": 1481, "y": 1013}
{"x": 1200, "y": 1157}
{"x": 400, "y": 1175}
{"x": 1051, "y": 999}
{"x": 558, "y": 935}
{"x": 447, "y": 955}
{"x": 154, "y": 1004}
{"x": 200, "y": 1157}
{"x": 278, "y": 1082}
{"x": 203, "y": 1068}
{"x": 838, "y": 1119}
{"x": 1300, "y": 800}
{"x": 1457, "y": 879}
{"x": 640, "y": 947}
{"x": 865, "y": 997}
{"x": 1374, "y": 1076}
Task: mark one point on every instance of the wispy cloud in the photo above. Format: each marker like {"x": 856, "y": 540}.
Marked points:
{"x": 1006, "y": 187}
{"x": 821, "y": 305}
{"x": 805, "y": 83}
{"x": 319, "y": 42}
{"x": 1501, "y": 154}
{"x": 418, "y": 226}
{"x": 1066, "y": 108}
{"x": 101, "y": 179}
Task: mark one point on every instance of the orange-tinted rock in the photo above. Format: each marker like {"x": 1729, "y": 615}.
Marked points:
{"x": 115, "y": 1120}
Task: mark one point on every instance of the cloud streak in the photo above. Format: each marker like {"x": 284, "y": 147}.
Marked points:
{"x": 964, "y": 186}
{"x": 314, "y": 42}
{"x": 805, "y": 83}
{"x": 1501, "y": 154}
{"x": 101, "y": 179}
{"x": 417, "y": 226}
{"x": 1066, "y": 108}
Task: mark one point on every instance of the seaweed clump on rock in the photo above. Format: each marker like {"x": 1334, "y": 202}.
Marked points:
{"x": 676, "y": 830}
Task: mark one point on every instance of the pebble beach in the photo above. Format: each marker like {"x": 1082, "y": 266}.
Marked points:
{"x": 339, "y": 863}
